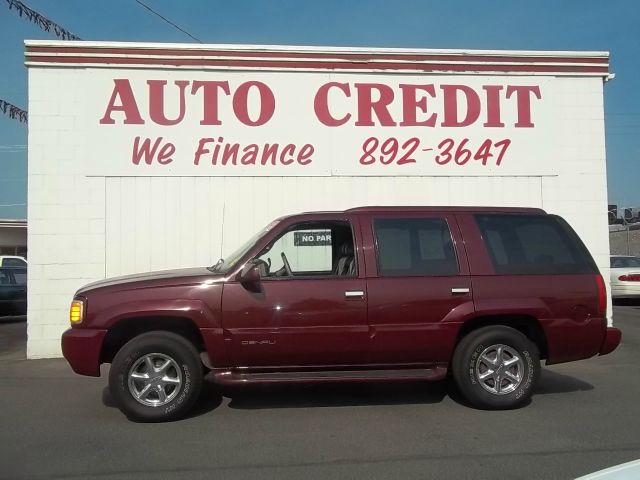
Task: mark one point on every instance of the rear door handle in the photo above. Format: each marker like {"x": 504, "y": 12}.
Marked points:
{"x": 459, "y": 291}
{"x": 354, "y": 294}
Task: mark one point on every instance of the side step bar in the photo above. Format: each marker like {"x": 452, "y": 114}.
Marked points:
{"x": 235, "y": 377}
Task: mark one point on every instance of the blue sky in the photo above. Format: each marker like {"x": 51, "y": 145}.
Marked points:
{"x": 487, "y": 24}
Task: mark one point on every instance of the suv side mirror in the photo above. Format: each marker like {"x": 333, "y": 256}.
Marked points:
{"x": 250, "y": 274}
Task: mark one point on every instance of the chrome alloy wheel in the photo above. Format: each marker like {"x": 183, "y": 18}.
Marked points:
{"x": 154, "y": 379}
{"x": 499, "y": 369}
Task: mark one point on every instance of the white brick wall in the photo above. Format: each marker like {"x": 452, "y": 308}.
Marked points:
{"x": 64, "y": 248}
{"x": 76, "y": 237}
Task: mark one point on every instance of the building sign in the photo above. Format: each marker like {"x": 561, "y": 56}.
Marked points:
{"x": 312, "y": 238}
{"x": 281, "y": 123}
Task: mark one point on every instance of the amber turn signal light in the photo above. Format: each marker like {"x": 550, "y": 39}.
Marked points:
{"x": 76, "y": 312}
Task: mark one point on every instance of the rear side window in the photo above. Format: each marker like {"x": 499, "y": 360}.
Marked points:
{"x": 533, "y": 244}
{"x": 5, "y": 278}
{"x": 13, "y": 262}
{"x": 20, "y": 277}
{"x": 414, "y": 247}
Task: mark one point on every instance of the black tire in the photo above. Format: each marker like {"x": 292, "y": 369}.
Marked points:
{"x": 467, "y": 366}
{"x": 186, "y": 366}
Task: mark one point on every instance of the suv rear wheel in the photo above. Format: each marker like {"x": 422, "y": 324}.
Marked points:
{"x": 496, "y": 367}
{"x": 155, "y": 377}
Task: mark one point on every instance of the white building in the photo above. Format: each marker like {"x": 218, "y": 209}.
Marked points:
{"x": 151, "y": 156}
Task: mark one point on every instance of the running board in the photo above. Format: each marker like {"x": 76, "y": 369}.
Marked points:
{"x": 234, "y": 377}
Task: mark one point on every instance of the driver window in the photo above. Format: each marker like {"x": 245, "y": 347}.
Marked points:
{"x": 310, "y": 249}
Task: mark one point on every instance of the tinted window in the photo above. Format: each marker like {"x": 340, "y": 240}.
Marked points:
{"x": 625, "y": 262}
{"x": 414, "y": 246}
{"x": 533, "y": 244}
{"x": 5, "y": 278}
{"x": 13, "y": 262}
{"x": 20, "y": 277}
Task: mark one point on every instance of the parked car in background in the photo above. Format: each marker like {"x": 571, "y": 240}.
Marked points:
{"x": 13, "y": 291}
{"x": 12, "y": 261}
{"x": 367, "y": 294}
{"x": 624, "y": 471}
{"x": 625, "y": 276}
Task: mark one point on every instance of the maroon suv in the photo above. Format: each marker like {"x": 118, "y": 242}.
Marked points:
{"x": 368, "y": 294}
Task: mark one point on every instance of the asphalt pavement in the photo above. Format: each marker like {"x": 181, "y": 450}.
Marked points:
{"x": 585, "y": 416}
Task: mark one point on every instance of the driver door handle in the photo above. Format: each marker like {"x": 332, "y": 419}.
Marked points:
{"x": 354, "y": 294}
{"x": 459, "y": 291}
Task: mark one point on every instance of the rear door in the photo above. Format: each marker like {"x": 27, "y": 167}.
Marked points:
{"x": 418, "y": 285}
{"x": 535, "y": 265}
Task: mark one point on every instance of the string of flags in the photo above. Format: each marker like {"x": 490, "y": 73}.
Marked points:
{"x": 43, "y": 22}
{"x": 13, "y": 111}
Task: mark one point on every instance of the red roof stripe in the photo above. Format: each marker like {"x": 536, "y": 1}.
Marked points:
{"x": 320, "y": 64}
{"x": 353, "y": 57}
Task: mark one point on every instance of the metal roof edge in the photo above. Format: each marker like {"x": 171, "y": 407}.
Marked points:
{"x": 313, "y": 49}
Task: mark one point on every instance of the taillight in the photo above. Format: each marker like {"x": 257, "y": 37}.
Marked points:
{"x": 602, "y": 296}
{"x": 632, "y": 277}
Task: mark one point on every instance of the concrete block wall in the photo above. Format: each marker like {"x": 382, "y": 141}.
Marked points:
{"x": 66, "y": 249}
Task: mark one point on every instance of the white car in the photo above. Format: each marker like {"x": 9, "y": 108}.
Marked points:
{"x": 625, "y": 276}
{"x": 624, "y": 471}
{"x": 12, "y": 261}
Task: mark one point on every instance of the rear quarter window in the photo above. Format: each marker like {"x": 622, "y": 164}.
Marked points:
{"x": 533, "y": 244}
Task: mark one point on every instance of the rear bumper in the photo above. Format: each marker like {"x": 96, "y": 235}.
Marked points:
{"x": 611, "y": 340}
{"x": 81, "y": 347}
{"x": 629, "y": 290}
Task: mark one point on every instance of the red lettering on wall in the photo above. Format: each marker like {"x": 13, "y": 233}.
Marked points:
{"x": 472, "y": 100}
{"x": 122, "y": 90}
{"x": 304, "y": 155}
{"x": 321, "y": 104}
{"x": 367, "y": 106}
{"x": 493, "y": 106}
{"x": 411, "y": 103}
{"x": 523, "y": 99}
{"x": 202, "y": 150}
{"x": 147, "y": 151}
{"x": 289, "y": 149}
{"x": 241, "y": 103}
{"x": 210, "y": 99}
{"x": 156, "y": 101}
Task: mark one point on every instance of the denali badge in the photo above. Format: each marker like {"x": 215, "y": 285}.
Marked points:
{"x": 258, "y": 342}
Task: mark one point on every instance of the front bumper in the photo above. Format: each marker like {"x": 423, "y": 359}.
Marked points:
{"x": 611, "y": 340}
{"x": 81, "y": 347}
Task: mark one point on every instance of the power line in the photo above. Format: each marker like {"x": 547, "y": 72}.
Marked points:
{"x": 168, "y": 21}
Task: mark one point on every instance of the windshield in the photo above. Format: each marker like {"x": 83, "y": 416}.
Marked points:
{"x": 625, "y": 262}
{"x": 225, "y": 264}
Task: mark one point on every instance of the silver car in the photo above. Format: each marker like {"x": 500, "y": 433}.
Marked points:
{"x": 625, "y": 276}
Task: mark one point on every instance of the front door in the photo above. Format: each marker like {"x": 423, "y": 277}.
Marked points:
{"x": 310, "y": 306}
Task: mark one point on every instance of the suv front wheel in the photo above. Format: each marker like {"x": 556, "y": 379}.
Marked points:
{"x": 496, "y": 367}
{"x": 155, "y": 377}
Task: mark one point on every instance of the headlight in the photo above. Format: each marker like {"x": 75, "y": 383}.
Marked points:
{"x": 76, "y": 312}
